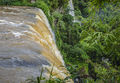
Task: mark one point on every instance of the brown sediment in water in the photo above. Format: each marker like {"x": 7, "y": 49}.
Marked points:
{"x": 26, "y": 45}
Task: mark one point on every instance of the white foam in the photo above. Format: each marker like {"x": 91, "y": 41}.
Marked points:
{"x": 38, "y": 18}
{"x": 42, "y": 40}
{"x": 17, "y": 34}
{"x": 50, "y": 39}
{"x": 2, "y": 22}
{"x": 9, "y": 13}
{"x": 27, "y": 32}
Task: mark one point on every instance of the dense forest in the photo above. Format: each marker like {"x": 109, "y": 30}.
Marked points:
{"x": 90, "y": 46}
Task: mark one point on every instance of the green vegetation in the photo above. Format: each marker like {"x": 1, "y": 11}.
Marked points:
{"x": 91, "y": 51}
{"x": 42, "y": 79}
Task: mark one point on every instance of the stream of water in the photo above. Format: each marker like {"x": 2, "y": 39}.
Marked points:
{"x": 26, "y": 45}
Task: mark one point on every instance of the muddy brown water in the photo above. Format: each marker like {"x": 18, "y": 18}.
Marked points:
{"x": 27, "y": 44}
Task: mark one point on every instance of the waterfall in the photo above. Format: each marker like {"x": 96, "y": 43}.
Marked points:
{"x": 27, "y": 45}
{"x": 71, "y": 7}
{"x": 72, "y": 13}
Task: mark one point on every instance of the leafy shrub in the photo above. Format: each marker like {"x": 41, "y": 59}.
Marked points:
{"x": 7, "y": 2}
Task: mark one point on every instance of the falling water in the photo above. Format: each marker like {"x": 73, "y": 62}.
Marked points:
{"x": 71, "y": 11}
{"x": 71, "y": 7}
{"x": 27, "y": 45}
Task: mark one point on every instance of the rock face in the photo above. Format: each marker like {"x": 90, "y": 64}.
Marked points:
{"x": 27, "y": 44}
